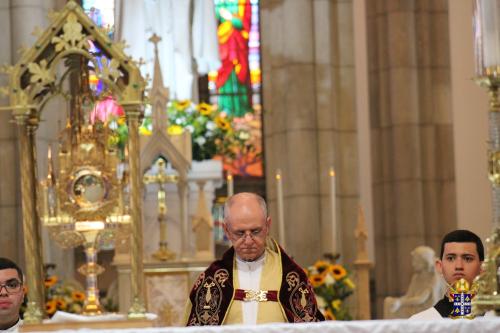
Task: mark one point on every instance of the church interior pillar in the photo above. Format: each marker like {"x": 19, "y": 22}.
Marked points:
{"x": 309, "y": 109}
{"x": 290, "y": 130}
{"x": 412, "y": 134}
{"x": 16, "y": 32}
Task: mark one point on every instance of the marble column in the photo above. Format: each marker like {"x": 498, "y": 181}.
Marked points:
{"x": 290, "y": 121}
{"x": 10, "y": 228}
{"x": 309, "y": 119}
{"x": 16, "y": 32}
{"x": 337, "y": 120}
{"x": 411, "y": 131}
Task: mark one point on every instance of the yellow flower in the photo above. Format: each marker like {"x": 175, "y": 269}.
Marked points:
{"x": 50, "y": 281}
{"x": 61, "y": 304}
{"x": 317, "y": 280}
{"x": 50, "y": 307}
{"x": 205, "y": 109}
{"x": 121, "y": 121}
{"x": 143, "y": 130}
{"x": 174, "y": 130}
{"x": 222, "y": 123}
{"x": 321, "y": 265}
{"x": 329, "y": 315}
{"x": 348, "y": 282}
{"x": 182, "y": 105}
{"x": 78, "y": 296}
{"x": 338, "y": 271}
{"x": 336, "y": 304}
{"x": 113, "y": 140}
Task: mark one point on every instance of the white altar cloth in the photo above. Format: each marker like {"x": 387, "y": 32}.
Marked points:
{"x": 483, "y": 325}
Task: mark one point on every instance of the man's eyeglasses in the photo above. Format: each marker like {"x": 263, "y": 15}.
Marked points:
{"x": 242, "y": 235}
{"x": 11, "y": 286}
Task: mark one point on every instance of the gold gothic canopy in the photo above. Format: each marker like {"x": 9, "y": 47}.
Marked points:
{"x": 34, "y": 80}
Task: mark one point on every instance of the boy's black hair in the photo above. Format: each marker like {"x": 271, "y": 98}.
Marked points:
{"x": 463, "y": 236}
{"x": 7, "y": 263}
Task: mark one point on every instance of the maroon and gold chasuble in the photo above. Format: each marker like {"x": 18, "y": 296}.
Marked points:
{"x": 214, "y": 292}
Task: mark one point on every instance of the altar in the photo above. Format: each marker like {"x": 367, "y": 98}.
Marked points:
{"x": 484, "y": 325}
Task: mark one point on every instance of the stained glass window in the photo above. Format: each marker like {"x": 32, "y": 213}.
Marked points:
{"x": 102, "y": 12}
{"x": 236, "y": 87}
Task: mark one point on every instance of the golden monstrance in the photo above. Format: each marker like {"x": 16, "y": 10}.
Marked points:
{"x": 81, "y": 202}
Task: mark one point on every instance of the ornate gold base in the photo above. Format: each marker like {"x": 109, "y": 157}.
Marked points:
{"x": 485, "y": 303}
{"x": 463, "y": 317}
{"x": 137, "y": 310}
{"x": 92, "y": 308}
{"x": 164, "y": 254}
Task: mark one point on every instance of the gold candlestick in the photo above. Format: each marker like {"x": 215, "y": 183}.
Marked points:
{"x": 161, "y": 178}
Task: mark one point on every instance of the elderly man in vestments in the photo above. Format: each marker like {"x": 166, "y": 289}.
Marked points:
{"x": 255, "y": 281}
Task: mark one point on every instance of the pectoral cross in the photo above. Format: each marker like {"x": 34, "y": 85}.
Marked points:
{"x": 208, "y": 296}
{"x": 303, "y": 300}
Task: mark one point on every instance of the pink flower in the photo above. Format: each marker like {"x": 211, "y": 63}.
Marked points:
{"x": 106, "y": 109}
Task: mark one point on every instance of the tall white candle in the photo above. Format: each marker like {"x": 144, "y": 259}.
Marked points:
{"x": 281, "y": 214}
{"x": 230, "y": 184}
{"x": 333, "y": 210}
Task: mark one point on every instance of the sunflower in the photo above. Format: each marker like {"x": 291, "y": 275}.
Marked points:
{"x": 317, "y": 280}
{"x": 78, "y": 296}
{"x": 329, "y": 315}
{"x": 205, "y": 109}
{"x": 50, "y": 281}
{"x": 182, "y": 105}
{"x": 222, "y": 123}
{"x": 50, "y": 307}
{"x": 338, "y": 271}
{"x": 174, "y": 130}
{"x": 321, "y": 265}
{"x": 61, "y": 304}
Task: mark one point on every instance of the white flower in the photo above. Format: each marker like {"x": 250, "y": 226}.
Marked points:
{"x": 321, "y": 302}
{"x": 244, "y": 136}
{"x": 200, "y": 140}
{"x": 313, "y": 270}
{"x": 209, "y": 133}
{"x": 329, "y": 280}
{"x": 190, "y": 128}
{"x": 180, "y": 121}
{"x": 211, "y": 126}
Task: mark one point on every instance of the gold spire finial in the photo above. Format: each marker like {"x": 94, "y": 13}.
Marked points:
{"x": 155, "y": 39}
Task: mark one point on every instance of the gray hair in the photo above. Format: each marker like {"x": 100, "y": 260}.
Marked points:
{"x": 230, "y": 201}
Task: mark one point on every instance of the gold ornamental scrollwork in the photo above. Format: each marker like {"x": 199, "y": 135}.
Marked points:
{"x": 494, "y": 167}
{"x": 72, "y": 38}
{"x": 40, "y": 73}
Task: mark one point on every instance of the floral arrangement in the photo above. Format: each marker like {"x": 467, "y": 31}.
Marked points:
{"x": 332, "y": 285}
{"x": 109, "y": 113}
{"x": 62, "y": 296}
{"x": 212, "y": 130}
